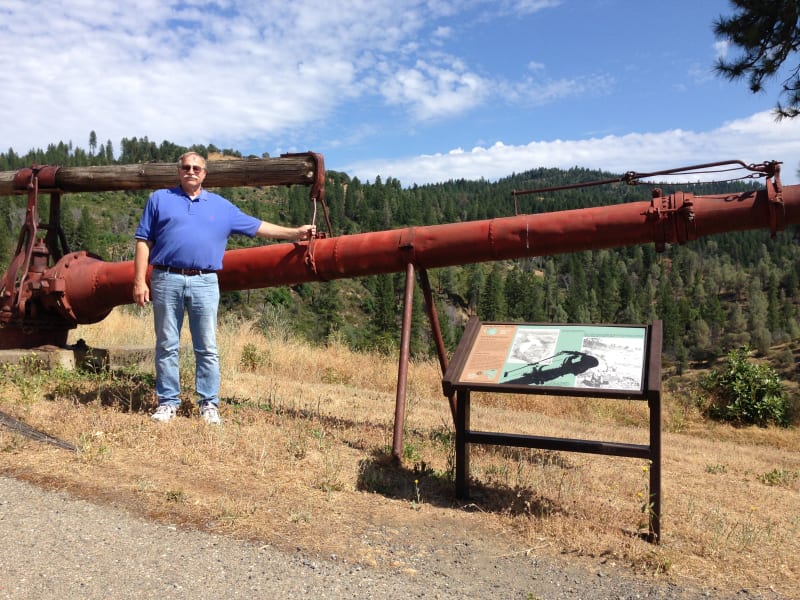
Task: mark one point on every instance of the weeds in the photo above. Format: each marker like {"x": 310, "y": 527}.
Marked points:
{"x": 716, "y": 469}
{"x": 782, "y": 477}
{"x": 28, "y": 377}
{"x": 176, "y": 496}
{"x": 252, "y": 359}
{"x": 646, "y": 500}
{"x": 410, "y": 452}
{"x": 144, "y": 486}
{"x": 92, "y": 446}
{"x": 416, "y": 501}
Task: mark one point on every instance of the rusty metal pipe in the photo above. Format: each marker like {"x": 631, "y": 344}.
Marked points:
{"x": 91, "y": 287}
{"x": 506, "y": 238}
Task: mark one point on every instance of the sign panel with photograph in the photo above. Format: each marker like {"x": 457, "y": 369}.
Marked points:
{"x": 589, "y": 357}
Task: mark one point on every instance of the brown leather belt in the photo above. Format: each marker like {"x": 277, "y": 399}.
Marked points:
{"x": 183, "y": 271}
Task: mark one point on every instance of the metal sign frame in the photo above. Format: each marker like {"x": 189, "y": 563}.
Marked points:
{"x": 576, "y": 360}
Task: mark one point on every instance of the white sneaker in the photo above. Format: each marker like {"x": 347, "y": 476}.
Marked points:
{"x": 210, "y": 413}
{"x": 164, "y": 413}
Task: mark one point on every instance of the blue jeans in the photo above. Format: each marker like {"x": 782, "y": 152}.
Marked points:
{"x": 198, "y": 296}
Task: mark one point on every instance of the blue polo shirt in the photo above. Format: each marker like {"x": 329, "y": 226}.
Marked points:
{"x": 191, "y": 234}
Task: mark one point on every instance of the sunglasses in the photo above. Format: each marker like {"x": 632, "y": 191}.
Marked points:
{"x": 191, "y": 168}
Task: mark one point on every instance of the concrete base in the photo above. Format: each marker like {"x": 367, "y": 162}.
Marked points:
{"x": 81, "y": 356}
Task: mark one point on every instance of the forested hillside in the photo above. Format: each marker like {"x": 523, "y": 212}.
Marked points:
{"x": 713, "y": 295}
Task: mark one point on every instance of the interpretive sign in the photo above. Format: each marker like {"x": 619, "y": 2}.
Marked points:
{"x": 605, "y": 361}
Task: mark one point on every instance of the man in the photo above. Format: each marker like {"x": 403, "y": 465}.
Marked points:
{"x": 183, "y": 233}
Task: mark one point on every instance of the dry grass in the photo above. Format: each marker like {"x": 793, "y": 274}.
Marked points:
{"x": 302, "y": 460}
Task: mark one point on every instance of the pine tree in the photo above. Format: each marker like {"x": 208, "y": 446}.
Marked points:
{"x": 768, "y": 34}
{"x": 87, "y": 234}
{"x": 576, "y": 302}
{"x": 386, "y": 305}
{"x": 491, "y": 305}
{"x": 737, "y": 334}
{"x": 328, "y": 306}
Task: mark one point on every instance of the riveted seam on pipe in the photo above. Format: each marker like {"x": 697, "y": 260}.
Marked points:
{"x": 491, "y": 239}
{"x": 335, "y": 255}
{"x": 686, "y": 211}
{"x": 777, "y": 210}
{"x": 406, "y": 244}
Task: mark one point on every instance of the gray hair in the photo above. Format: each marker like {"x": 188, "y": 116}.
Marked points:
{"x": 191, "y": 153}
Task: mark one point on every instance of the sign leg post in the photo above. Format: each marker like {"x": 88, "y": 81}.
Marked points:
{"x": 462, "y": 448}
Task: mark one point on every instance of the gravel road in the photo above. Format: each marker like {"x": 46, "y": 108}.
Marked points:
{"x": 57, "y": 547}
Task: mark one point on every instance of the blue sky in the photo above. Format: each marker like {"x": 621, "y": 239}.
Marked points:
{"x": 419, "y": 90}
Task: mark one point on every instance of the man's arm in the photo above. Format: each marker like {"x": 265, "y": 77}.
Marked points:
{"x": 141, "y": 258}
{"x": 278, "y": 232}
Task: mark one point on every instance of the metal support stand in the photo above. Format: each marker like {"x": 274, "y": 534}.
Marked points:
{"x": 433, "y": 318}
{"x": 402, "y": 369}
{"x": 405, "y": 352}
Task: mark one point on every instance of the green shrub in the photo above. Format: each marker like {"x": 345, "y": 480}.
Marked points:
{"x": 251, "y": 359}
{"x": 745, "y": 393}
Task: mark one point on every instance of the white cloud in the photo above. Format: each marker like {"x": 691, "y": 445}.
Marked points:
{"x": 436, "y": 91}
{"x": 244, "y": 70}
{"x": 721, "y": 49}
{"x": 535, "y": 92}
{"x": 755, "y": 139}
{"x": 525, "y": 7}
{"x": 442, "y": 33}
